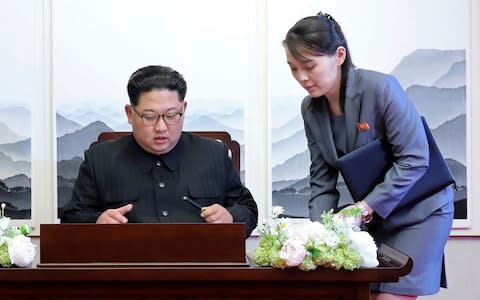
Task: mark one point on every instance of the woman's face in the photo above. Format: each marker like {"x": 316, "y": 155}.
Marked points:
{"x": 318, "y": 74}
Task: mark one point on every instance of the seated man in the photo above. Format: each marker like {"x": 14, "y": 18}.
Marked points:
{"x": 155, "y": 174}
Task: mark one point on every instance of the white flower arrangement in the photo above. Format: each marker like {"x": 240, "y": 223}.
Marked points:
{"x": 16, "y": 249}
{"x": 336, "y": 243}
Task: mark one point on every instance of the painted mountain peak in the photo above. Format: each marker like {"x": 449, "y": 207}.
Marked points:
{"x": 10, "y": 167}
{"x": 456, "y": 76}
{"x": 20, "y": 180}
{"x": 8, "y": 135}
{"x": 426, "y": 66}
{"x": 75, "y": 143}
{"x": 18, "y": 119}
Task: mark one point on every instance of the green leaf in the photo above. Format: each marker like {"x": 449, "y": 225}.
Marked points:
{"x": 4, "y": 257}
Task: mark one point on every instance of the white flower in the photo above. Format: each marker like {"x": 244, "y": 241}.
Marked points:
{"x": 363, "y": 242}
{"x": 309, "y": 244}
{"x": 4, "y": 224}
{"x": 276, "y": 211}
{"x": 315, "y": 231}
{"x": 331, "y": 239}
{"x": 306, "y": 231}
{"x": 21, "y": 251}
{"x": 293, "y": 252}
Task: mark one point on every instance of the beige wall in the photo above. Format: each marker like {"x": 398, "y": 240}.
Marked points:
{"x": 462, "y": 265}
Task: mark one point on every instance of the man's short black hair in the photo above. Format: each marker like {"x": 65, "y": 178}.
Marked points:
{"x": 149, "y": 78}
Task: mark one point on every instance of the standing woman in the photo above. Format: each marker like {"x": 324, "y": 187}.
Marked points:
{"x": 347, "y": 108}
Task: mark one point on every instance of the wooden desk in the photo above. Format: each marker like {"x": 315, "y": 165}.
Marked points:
{"x": 70, "y": 268}
{"x": 191, "y": 283}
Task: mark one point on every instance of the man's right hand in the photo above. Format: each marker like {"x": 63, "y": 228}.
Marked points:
{"x": 115, "y": 215}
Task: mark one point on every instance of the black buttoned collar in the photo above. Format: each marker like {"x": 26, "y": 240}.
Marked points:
{"x": 146, "y": 160}
{"x": 172, "y": 159}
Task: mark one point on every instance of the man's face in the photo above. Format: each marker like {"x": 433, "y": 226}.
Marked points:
{"x": 153, "y": 134}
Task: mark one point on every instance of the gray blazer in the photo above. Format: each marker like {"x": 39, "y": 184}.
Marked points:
{"x": 378, "y": 100}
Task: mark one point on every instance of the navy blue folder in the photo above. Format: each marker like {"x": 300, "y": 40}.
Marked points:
{"x": 365, "y": 167}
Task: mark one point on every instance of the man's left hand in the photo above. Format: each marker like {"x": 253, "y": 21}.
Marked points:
{"x": 216, "y": 214}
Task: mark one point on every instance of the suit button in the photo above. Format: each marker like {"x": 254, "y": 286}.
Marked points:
{"x": 161, "y": 184}
{"x": 165, "y": 213}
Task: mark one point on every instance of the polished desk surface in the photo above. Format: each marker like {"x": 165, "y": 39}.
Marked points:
{"x": 187, "y": 282}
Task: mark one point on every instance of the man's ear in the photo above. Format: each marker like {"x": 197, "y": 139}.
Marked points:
{"x": 340, "y": 55}
{"x": 184, "y": 106}
{"x": 128, "y": 112}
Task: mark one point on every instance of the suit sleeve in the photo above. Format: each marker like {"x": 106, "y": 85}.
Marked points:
{"x": 239, "y": 200}
{"x": 84, "y": 204}
{"x": 405, "y": 132}
{"x": 323, "y": 179}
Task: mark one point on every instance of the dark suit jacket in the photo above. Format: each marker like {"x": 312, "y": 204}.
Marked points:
{"x": 119, "y": 172}
{"x": 378, "y": 100}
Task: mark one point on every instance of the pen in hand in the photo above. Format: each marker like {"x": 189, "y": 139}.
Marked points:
{"x": 194, "y": 203}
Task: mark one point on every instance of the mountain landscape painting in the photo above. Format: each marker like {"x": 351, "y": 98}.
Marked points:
{"x": 435, "y": 81}
{"x": 15, "y": 166}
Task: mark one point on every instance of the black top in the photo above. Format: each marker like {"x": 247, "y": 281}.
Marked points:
{"x": 119, "y": 172}
{"x": 339, "y": 134}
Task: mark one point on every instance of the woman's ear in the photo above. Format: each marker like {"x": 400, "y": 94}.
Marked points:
{"x": 340, "y": 55}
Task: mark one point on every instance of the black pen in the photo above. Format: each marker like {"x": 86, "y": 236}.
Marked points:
{"x": 193, "y": 203}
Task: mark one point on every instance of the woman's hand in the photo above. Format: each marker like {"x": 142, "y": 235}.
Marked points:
{"x": 360, "y": 210}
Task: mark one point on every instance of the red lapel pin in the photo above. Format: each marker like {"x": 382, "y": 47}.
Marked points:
{"x": 362, "y": 126}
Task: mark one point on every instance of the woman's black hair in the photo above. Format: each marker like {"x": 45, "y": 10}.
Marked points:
{"x": 315, "y": 35}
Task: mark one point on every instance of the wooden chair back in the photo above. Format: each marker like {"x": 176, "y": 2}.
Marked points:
{"x": 221, "y": 136}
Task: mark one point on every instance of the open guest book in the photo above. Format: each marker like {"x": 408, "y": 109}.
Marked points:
{"x": 365, "y": 167}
